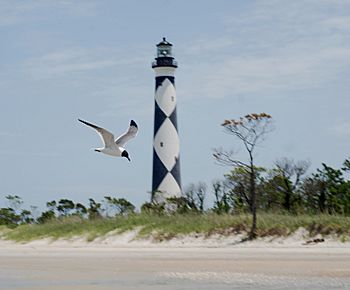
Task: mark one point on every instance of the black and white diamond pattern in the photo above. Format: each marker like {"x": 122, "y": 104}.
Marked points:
{"x": 166, "y": 160}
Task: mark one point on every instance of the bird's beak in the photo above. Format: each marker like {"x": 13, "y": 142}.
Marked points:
{"x": 129, "y": 159}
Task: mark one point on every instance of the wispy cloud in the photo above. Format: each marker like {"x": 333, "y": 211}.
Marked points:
{"x": 28, "y": 154}
{"x": 7, "y": 134}
{"x": 339, "y": 23}
{"x": 341, "y": 129}
{"x": 283, "y": 46}
{"x": 19, "y": 12}
{"x": 74, "y": 60}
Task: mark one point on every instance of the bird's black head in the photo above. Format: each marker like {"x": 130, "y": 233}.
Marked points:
{"x": 126, "y": 154}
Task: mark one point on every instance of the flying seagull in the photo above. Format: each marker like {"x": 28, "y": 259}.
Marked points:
{"x": 114, "y": 147}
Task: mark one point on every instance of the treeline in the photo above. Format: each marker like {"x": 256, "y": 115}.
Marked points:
{"x": 13, "y": 215}
{"x": 285, "y": 188}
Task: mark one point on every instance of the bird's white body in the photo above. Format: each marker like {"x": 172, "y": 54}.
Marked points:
{"x": 114, "y": 147}
{"x": 114, "y": 150}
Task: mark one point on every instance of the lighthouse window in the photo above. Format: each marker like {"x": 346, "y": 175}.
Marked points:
{"x": 161, "y": 144}
{"x": 172, "y": 98}
{"x": 164, "y": 51}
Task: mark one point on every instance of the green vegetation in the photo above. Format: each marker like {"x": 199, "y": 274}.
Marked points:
{"x": 283, "y": 197}
{"x": 164, "y": 227}
{"x": 285, "y": 200}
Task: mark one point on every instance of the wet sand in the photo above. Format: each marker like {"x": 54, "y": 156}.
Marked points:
{"x": 105, "y": 268}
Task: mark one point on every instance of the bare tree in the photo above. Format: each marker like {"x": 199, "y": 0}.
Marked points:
{"x": 251, "y": 130}
{"x": 195, "y": 195}
{"x": 223, "y": 202}
{"x": 291, "y": 173}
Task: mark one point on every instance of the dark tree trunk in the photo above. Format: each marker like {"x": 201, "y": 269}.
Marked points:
{"x": 287, "y": 204}
{"x": 322, "y": 199}
{"x": 252, "y": 234}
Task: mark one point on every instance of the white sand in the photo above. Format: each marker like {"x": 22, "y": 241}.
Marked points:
{"x": 299, "y": 239}
{"x": 123, "y": 262}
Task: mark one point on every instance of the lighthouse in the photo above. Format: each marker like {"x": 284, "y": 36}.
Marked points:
{"x": 166, "y": 146}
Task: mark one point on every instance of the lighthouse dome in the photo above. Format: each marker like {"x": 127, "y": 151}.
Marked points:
{"x": 164, "y": 55}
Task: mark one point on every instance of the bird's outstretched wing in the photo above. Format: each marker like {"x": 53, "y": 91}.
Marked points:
{"x": 131, "y": 133}
{"x": 106, "y": 136}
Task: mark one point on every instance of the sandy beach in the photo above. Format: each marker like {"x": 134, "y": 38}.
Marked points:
{"x": 188, "y": 263}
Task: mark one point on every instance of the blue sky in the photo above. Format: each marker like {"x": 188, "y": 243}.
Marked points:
{"x": 62, "y": 60}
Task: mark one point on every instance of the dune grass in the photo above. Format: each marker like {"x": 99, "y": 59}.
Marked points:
{"x": 279, "y": 224}
{"x": 166, "y": 227}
